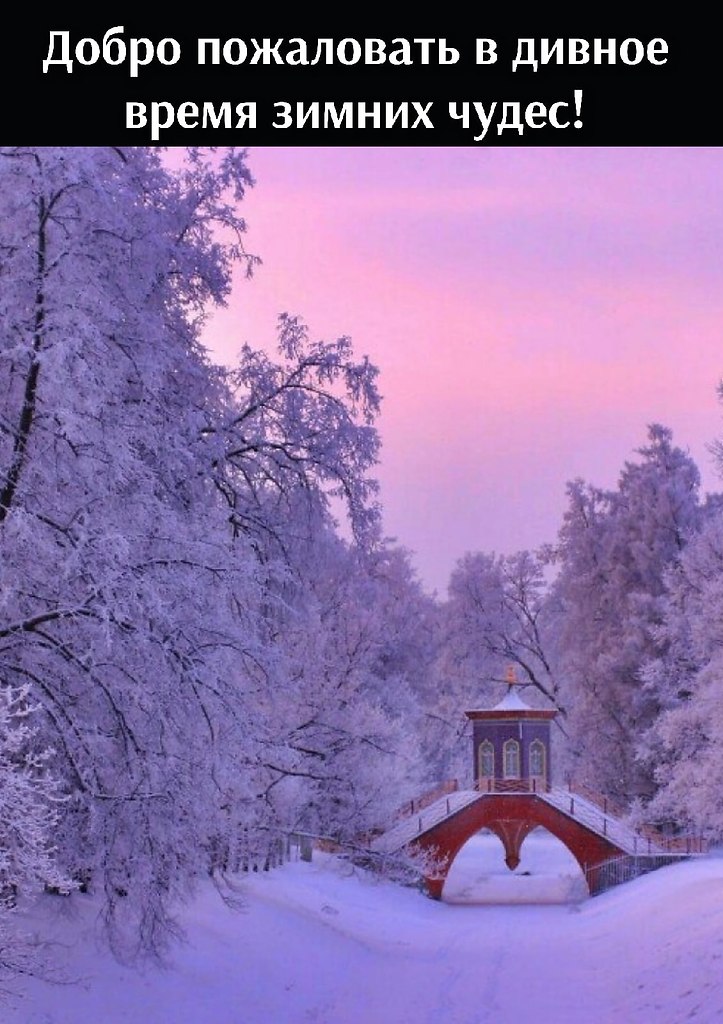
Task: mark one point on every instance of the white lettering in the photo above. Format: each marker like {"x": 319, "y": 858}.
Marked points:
{"x": 175, "y": 51}
{"x": 299, "y": 53}
{"x": 265, "y": 52}
{"x": 328, "y": 44}
{"x": 119, "y": 44}
{"x": 135, "y": 61}
{"x": 402, "y": 52}
{"x": 528, "y": 45}
{"x": 136, "y": 115}
{"x": 215, "y": 47}
{"x": 246, "y": 113}
{"x": 82, "y": 46}
{"x": 64, "y": 58}
{"x": 515, "y": 120}
{"x": 235, "y": 51}
{"x": 353, "y": 46}
{"x": 209, "y": 115}
{"x": 657, "y": 47}
{"x": 485, "y": 119}
{"x": 486, "y": 50}
{"x": 285, "y": 113}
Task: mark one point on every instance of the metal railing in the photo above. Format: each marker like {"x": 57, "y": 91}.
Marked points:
{"x": 413, "y": 825}
{"x": 426, "y": 799}
{"x": 605, "y": 803}
{"x": 608, "y": 819}
{"x": 618, "y": 870}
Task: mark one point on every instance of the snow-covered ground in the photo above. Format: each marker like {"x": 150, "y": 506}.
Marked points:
{"x": 322, "y": 944}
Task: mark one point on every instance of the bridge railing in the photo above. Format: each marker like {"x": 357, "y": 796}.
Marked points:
{"x": 531, "y": 785}
{"x": 600, "y": 813}
{"x": 601, "y": 877}
{"x": 605, "y": 803}
{"x": 647, "y": 838}
{"x": 683, "y": 845}
{"x": 426, "y": 799}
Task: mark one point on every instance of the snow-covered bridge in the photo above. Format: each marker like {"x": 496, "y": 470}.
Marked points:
{"x": 512, "y": 809}
{"x": 512, "y": 794}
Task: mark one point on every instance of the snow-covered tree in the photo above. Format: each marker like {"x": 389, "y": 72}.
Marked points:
{"x": 494, "y": 616}
{"x": 30, "y": 803}
{"x": 148, "y": 500}
{"x": 308, "y": 413}
{"x": 615, "y": 548}
{"x": 684, "y": 747}
{"x": 342, "y": 747}
{"x": 109, "y": 542}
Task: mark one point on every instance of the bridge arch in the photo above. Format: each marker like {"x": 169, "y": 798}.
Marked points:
{"x": 511, "y": 817}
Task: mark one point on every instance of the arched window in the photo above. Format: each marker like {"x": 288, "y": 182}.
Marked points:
{"x": 486, "y": 760}
{"x": 537, "y": 759}
{"x": 511, "y": 755}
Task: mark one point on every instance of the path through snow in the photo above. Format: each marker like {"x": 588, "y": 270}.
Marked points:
{"x": 317, "y": 945}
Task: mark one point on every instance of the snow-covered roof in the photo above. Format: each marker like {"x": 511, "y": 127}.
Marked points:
{"x": 512, "y": 701}
{"x": 510, "y": 706}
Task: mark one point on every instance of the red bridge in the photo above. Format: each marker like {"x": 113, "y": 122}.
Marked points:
{"x": 442, "y": 822}
{"x": 511, "y": 795}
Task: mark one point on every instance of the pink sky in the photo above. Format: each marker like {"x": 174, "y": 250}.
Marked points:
{"x": 531, "y": 310}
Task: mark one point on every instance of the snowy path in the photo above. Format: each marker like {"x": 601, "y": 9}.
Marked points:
{"x": 315, "y": 946}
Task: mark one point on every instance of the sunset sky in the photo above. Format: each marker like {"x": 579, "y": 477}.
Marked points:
{"x": 531, "y": 310}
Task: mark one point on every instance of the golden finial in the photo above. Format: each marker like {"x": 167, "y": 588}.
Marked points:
{"x": 510, "y": 676}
